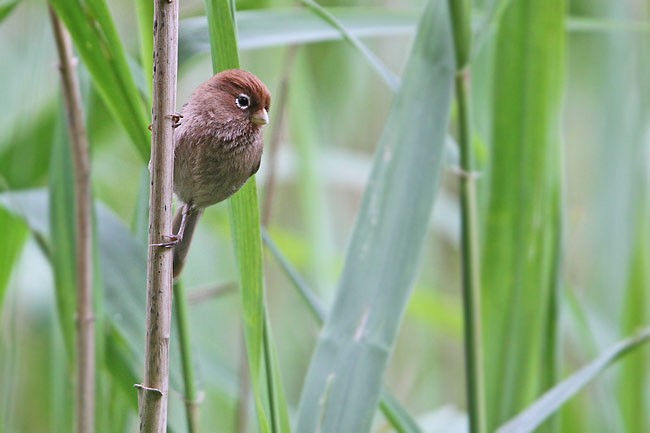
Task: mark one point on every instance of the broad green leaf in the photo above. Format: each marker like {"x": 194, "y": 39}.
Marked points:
{"x": 96, "y": 39}
{"x": 343, "y": 383}
{"x": 520, "y": 247}
{"x": 552, "y": 400}
{"x": 272, "y": 412}
{"x": 392, "y": 409}
{"x": 123, "y": 272}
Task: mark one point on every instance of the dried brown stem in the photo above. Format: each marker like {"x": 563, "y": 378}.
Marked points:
{"x": 153, "y": 392}
{"x": 85, "y": 342}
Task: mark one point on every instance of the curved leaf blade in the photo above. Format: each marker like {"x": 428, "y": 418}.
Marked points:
{"x": 95, "y": 37}
{"x": 343, "y": 384}
{"x": 552, "y": 400}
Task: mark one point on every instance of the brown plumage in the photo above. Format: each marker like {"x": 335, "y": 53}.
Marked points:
{"x": 218, "y": 146}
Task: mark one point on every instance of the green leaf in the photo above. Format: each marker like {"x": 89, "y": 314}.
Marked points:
{"x": 397, "y": 415}
{"x": 272, "y": 411}
{"x": 392, "y": 409}
{"x": 281, "y": 27}
{"x": 552, "y": 400}
{"x": 520, "y": 247}
{"x": 25, "y": 154}
{"x": 6, "y": 7}
{"x": 389, "y": 78}
{"x": 123, "y": 266}
{"x": 96, "y": 39}
{"x": 343, "y": 383}
{"x": 586, "y": 24}
{"x": 62, "y": 247}
{"x": 13, "y": 240}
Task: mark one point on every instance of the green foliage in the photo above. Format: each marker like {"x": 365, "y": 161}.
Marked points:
{"x": 272, "y": 411}
{"x": 560, "y": 116}
{"x": 342, "y": 387}
{"x": 520, "y": 247}
{"x": 93, "y": 31}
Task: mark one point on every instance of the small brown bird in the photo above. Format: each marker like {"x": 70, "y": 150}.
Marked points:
{"x": 218, "y": 146}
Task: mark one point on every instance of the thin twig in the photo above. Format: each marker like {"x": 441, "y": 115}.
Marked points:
{"x": 153, "y": 392}
{"x": 278, "y": 126}
{"x": 85, "y": 394}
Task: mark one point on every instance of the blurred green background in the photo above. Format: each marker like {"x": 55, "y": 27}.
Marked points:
{"x": 311, "y": 183}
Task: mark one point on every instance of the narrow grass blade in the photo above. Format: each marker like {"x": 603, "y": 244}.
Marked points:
{"x": 551, "y": 401}
{"x": 272, "y": 412}
{"x": 389, "y": 78}
{"x": 291, "y": 26}
{"x": 144, "y": 11}
{"x": 62, "y": 243}
{"x": 520, "y": 248}
{"x": 632, "y": 393}
{"x": 181, "y": 314}
{"x": 13, "y": 240}
{"x": 343, "y": 383}
{"x": 489, "y": 23}
{"x": 398, "y": 417}
{"x": 585, "y": 24}
{"x": 95, "y": 36}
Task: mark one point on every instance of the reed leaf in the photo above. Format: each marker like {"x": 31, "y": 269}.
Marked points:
{"x": 343, "y": 383}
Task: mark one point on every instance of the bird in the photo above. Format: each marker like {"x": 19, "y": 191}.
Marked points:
{"x": 218, "y": 146}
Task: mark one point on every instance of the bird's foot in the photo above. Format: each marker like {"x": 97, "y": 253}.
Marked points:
{"x": 173, "y": 241}
{"x": 176, "y": 119}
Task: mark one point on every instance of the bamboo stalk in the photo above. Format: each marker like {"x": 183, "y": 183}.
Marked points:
{"x": 471, "y": 272}
{"x": 153, "y": 391}
{"x": 85, "y": 342}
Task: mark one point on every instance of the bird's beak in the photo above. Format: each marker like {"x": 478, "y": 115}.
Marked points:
{"x": 261, "y": 117}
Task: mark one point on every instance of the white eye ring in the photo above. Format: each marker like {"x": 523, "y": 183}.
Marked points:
{"x": 243, "y": 101}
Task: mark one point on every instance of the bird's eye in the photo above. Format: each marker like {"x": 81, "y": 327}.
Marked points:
{"x": 243, "y": 101}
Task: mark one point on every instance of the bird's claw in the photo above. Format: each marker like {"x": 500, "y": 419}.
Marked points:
{"x": 173, "y": 241}
{"x": 176, "y": 119}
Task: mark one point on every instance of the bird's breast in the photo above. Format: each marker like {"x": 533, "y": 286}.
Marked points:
{"x": 207, "y": 170}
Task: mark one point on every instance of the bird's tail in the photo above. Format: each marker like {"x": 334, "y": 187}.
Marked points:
{"x": 181, "y": 249}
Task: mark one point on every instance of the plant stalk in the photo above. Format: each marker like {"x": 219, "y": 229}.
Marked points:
{"x": 85, "y": 344}
{"x": 471, "y": 272}
{"x": 190, "y": 398}
{"x": 471, "y": 269}
{"x": 153, "y": 391}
